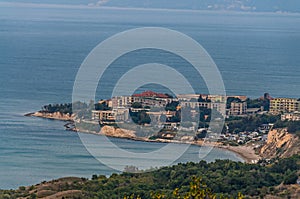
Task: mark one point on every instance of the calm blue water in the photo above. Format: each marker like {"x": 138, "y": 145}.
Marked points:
{"x": 41, "y": 50}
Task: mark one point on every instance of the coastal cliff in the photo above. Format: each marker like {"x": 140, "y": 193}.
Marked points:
{"x": 280, "y": 144}
{"x": 54, "y": 116}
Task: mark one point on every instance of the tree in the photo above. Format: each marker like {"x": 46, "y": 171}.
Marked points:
{"x": 200, "y": 99}
{"x": 102, "y": 106}
{"x": 136, "y": 105}
{"x": 94, "y": 177}
{"x": 172, "y": 106}
{"x": 230, "y": 100}
{"x": 293, "y": 127}
{"x": 201, "y": 135}
{"x": 291, "y": 179}
{"x": 140, "y": 117}
{"x": 144, "y": 118}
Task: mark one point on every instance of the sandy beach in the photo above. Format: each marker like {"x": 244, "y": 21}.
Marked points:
{"x": 247, "y": 153}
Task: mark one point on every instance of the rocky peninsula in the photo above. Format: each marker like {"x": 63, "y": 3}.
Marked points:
{"x": 247, "y": 153}
{"x": 55, "y": 116}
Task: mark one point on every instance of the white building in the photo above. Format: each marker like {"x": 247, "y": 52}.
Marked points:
{"x": 220, "y": 107}
{"x": 291, "y": 116}
{"x": 122, "y": 101}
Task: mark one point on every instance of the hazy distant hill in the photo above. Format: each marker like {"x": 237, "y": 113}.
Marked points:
{"x": 235, "y": 5}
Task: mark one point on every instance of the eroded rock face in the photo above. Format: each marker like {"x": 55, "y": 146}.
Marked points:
{"x": 280, "y": 144}
{"x": 117, "y": 132}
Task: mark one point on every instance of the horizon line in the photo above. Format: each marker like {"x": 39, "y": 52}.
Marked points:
{"x": 87, "y": 6}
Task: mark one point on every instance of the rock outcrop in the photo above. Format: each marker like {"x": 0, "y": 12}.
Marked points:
{"x": 280, "y": 144}
{"x": 117, "y": 132}
{"x": 54, "y": 116}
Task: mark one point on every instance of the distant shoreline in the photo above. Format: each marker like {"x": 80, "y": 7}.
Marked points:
{"x": 247, "y": 153}
{"x": 139, "y": 8}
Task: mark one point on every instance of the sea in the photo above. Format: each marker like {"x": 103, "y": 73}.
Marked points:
{"x": 43, "y": 47}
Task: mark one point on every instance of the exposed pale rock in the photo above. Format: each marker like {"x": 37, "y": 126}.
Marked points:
{"x": 280, "y": 143}
{"x": 55, "y": 115}
{"x": 117, "y": 132}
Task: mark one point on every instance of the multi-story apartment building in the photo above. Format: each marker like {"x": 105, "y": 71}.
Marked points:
{"x": 284, "y": 105}
{"x": 115, "y": 115}
{"x": 238, "y": 108}
{"x": 191, "y": 97}
{"x": 157, "y": 100}
{"x": 152, "y": 102}
{"x": 122, "y": 101}
{"x": 220, "y": 107}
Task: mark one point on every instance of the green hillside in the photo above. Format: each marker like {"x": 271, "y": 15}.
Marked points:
{"x": 219, "y": 179}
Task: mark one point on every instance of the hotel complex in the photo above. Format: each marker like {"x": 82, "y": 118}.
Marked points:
{"x": 153, "y": 104}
